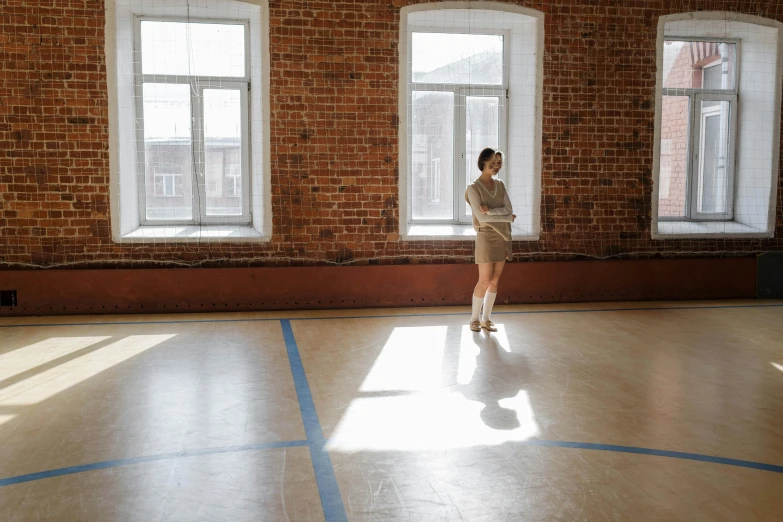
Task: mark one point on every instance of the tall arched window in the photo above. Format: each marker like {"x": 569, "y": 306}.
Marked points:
{"x": 470, "y": 77}
{"x": 188, "y": 120}
{"x": 717, "y": 125}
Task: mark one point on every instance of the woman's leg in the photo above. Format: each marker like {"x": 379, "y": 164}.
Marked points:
{"x": 479, "y": 292}
{"x": 492, "y": 291}
{"x": 494, "y": 279}
{"x": 485, "y": 278}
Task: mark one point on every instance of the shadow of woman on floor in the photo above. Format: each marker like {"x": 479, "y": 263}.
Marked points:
{"x": 498, "y": 375}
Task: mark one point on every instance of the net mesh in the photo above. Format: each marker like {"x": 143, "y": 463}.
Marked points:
{"x": 225, "y": 133}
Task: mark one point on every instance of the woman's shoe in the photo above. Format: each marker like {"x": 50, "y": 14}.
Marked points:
{"x": 489, "y": 325}
{"x": 476, "y": 326}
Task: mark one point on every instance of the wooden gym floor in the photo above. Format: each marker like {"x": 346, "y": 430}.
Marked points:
{"x": 644, "y": 411}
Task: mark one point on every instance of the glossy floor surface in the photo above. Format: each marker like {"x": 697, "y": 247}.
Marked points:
{"x": 646, "y": 411}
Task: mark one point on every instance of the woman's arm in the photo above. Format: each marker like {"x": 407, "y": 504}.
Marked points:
{"x": 505, "y": 210}
{"x": 475, "y": 205}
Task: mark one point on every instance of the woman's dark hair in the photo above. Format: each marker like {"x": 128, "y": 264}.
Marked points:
{"x": 486, "y": 155}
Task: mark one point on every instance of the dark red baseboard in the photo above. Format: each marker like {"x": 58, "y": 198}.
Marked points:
{"x": 59, "y": 292}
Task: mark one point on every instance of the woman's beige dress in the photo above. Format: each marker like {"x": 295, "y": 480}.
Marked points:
{"x": 493, "y": 229}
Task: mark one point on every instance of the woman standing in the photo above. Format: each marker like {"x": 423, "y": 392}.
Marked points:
{"x": 492, "y": 218}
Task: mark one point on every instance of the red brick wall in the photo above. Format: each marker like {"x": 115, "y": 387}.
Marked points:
{"x": 334, "y": 138}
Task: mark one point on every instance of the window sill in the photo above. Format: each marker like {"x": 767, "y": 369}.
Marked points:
{"x": 193, "y": 233}
{"x": 457, "y": 232}
{"x": 695, "y": 229}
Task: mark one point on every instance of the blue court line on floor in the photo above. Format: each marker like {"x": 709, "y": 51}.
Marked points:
{"x": 149, "y": 458}
{"x": 331, "y": 501}
{"x": 300, "y": 443}
{"x": 657, "y": 453}
{"x": 449, "y": 314}
{"x": 324, "y": 471}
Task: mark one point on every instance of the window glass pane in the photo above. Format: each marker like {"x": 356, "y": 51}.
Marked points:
{"x": 672, "y": 179}
{"x": 698, "y": 65}
{"x": 435, "y": 180}
{"x": 194, "y": 49}
{"x": 713, "y": 157}
{"x": 432, "y": 139}
{"x": 223, "y": 151}
{"x": 168, "y": 185}
{"x": 482, "y": 130}
{"x": 713, "y": 76}
{"x": 167, "y": 152}
{"x": 457, "y": 58}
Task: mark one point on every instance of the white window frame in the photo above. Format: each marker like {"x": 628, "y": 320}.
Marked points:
{"x": 197, "y": 86}
{"x": 464, "y": 172}
{"x": 126, "y": 225}
{"x": 524, "y": 109}
{"x": 694, "y": 146}
{"x": 461, "y": 93}
{"x": 700, "y": 116}
{"x": 757, "y": 149}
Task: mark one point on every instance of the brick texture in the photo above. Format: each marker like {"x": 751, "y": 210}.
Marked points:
{"x": 334, "y": 139}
